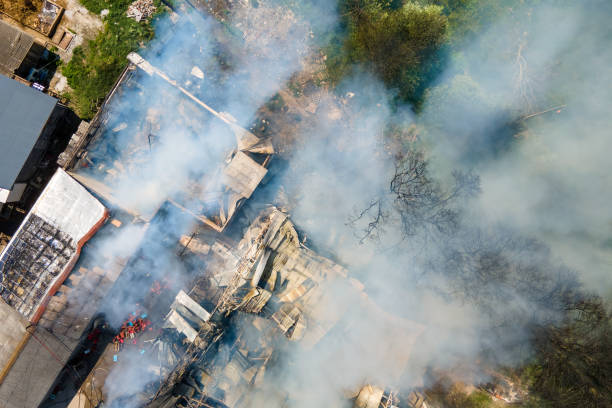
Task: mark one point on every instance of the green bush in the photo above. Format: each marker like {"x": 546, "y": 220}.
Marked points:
{"x": 399, "y": 43}
{"x": 95, "y": 66}
{"x": 96, "y": 6}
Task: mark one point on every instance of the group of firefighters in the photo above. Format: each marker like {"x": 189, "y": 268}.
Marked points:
{"x": 135, "y": 324}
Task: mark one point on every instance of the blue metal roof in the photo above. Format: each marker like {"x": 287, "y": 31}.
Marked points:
{"x": 24, "y": 112}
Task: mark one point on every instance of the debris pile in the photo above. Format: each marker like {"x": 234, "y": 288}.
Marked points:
{"x": 141, "y": 9}
{"x": 74, "y": 144}
{"x": 274, "y": 289}
{"x": 48, "y": 16}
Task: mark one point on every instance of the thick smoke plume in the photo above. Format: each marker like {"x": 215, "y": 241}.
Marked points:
{"x": 550, "y": 184}
{"x": 547, "y": 176}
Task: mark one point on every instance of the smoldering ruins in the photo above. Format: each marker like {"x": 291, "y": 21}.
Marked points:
{"x": 199, "y": 289}
{"x": 213, "y": 239}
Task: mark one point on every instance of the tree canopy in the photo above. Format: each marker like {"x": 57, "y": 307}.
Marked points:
{"x": 397, "y": 43}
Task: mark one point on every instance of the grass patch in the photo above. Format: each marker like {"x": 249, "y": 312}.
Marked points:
{"x": 94, "y": 67}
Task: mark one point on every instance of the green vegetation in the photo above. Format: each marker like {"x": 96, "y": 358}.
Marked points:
{"x": 470, "y": 17}
{"x": 96, "y": 6}
{"x": 95, "y": 66}
{"x": 406, "y": 44}
{"x": 399, "y": 44}
{"x": 452, "y": 395}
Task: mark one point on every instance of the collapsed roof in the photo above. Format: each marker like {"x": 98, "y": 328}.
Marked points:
{"x": 274, "y": 290}
{"x": 47, "y": 244}
{"x": 123, "y": 135}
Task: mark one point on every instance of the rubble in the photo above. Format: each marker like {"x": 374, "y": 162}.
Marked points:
{"x": 272, "y": 290}
{"x": 141, "y": 9}
{"x": 49, "y": 16}
{"x": 73, "y": 144}
{"x": 371, "y": 396}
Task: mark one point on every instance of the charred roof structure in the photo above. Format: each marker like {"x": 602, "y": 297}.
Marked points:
{"x": 46, "y": 246}
{"x": 116, "y": 143}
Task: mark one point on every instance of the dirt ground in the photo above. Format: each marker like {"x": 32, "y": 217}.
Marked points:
{"x": 79, "y": 21}
{"x": 24, "y": 11}
{"x": 293, "y": 109}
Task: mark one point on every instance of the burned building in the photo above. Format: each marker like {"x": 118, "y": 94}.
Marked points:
{"x": 223, "y": 307}
{"x": 118, "y": 143}
{"x": 254, "y": 299}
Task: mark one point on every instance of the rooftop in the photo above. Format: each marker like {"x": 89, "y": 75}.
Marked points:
{"x": 14, "y": 46}
{"x": 24, "y": 112}
{"x": 47, "y": 243}
{"x": 123, "y": 138}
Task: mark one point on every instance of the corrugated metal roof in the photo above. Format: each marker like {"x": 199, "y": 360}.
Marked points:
{"x": 14, "y": 46}
{"x": 24, "y": 112}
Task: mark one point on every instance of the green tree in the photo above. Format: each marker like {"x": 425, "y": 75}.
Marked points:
{"x": 399, "y": 44}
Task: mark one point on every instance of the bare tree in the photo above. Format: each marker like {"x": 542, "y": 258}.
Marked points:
{"x": 420, "y": 203}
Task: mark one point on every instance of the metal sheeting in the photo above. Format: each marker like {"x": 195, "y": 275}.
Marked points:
{"x": 243, "y": 174}
{"x": 14, "y": 46}
{"x": 186, "y": 316}
{"x": 23, "y": 114}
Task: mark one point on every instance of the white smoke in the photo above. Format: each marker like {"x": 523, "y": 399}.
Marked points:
{"x": 341, "y": 165}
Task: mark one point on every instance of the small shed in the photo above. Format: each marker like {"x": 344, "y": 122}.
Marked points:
{"x": 18, "y": 51}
